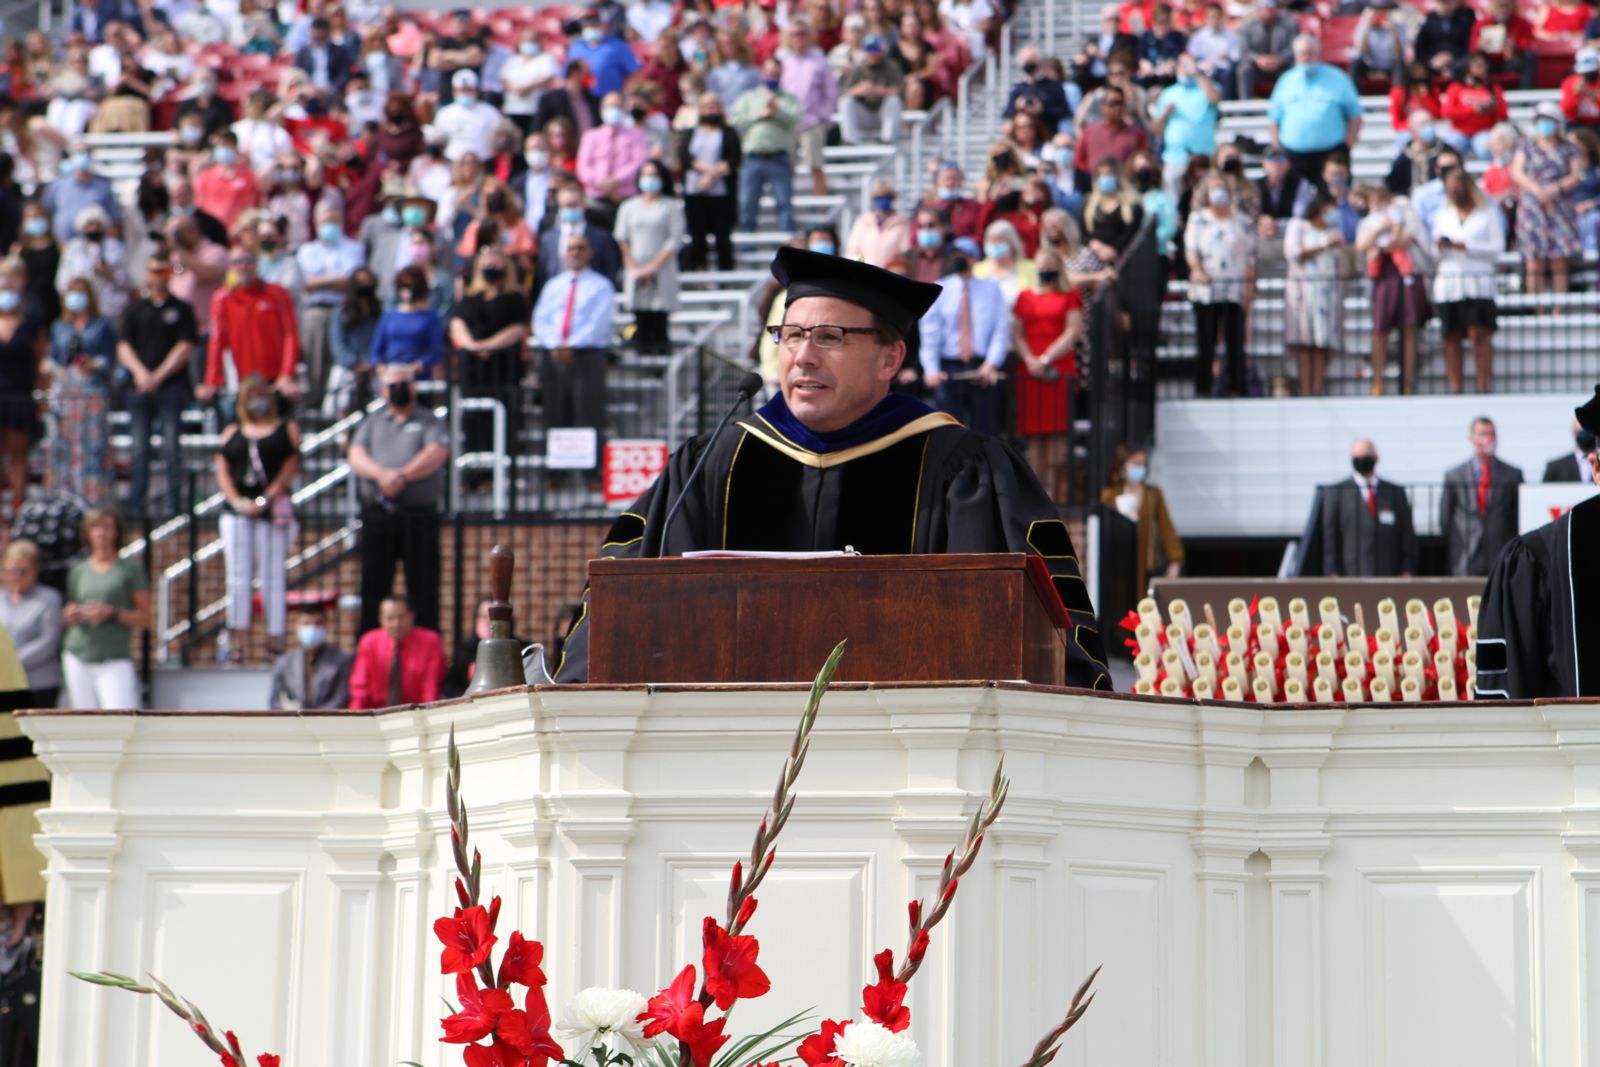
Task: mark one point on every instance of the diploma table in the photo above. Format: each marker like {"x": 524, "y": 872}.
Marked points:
{"x": 1328, "y": 886}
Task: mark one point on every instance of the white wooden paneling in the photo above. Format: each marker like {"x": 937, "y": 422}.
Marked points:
{"x": 1119, "y": 917}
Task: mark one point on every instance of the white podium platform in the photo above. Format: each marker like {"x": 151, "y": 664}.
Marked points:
{"x": 1384, "y": 886}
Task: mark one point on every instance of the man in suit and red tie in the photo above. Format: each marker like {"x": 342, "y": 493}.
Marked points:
{"x": 1478, "y": 514}
{"x": 1366, "y": 523}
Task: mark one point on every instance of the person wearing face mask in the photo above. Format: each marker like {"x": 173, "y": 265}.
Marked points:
{"x": 1220, "y": 245}
{"x": 572, "y": 220}
{"x": 399, "y": 454}
{"x": 99, "y": 256}
{"x": 610, "y": 155}
{"x": 254, "y": 323}
{"x": 949, "y": 194}
{"x": 869, "y": 93}
{"x": 1478, "y": 511}
{"x": 382, "y": 231}
{"x": 327, "y": 264}
{"x": 1111, "y": 216}
{"x": 499, "y": 221}
{"x": 76, "y": 189}
{"x": 709, "y": 159}
{"x": 526, "y": 76}
{"x": 766, "y": 118}
{"x": 1313, "y": 310}
{"x": 1390, "y": 242}
{"x": 1185, "y": 119}
{"x": 489, "y": 328}
{"x": 1472, "y": 106}
{"x": 313, "y": 674}
{"x": 929, "y": 258}
{"x": 467, "y": 122}
{"x": 1547, "y": 168}
{"x": 649, "y": 233}
{"x": 39, "y": 253}
{"x": 1580, "y": 91}
{"x": 83, "y": 349}
{"x": 1470, "y": 238}
{"x": 1364, "y": 524}
{"x": 411, "y": 333}
{"x": 350, "y": 334}
{"x": 460, "y": 48}
{"x": 1158, "y": 551}
{"x": 605, "y": 54}
{"x": 1314, "y": 109}
{"x": 966, "y": 339}
{"x": 1005, "y": 262}
{"x": 1045, "y": 329}
{"x": 1156, "y": 201}
{"x": 536, "y": 189}
{"x": 326, "y": 62}
{"x": 881, "y": 235}
{"x": 1572, "y": 465}
{"x": 24, "y": 346}
{"x": 255, "y": 465}
{"x": 203, "y": 101}
{"x": 227, "y": 187}
{"x": 572, "y": 326}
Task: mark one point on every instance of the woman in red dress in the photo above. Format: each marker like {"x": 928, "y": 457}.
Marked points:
{"x": 1045, "y": 326}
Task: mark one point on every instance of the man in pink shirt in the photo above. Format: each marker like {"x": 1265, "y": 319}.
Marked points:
{"x": 226, "y": 188}
{"x": 809, "y": 78}
{"x": 610, "y": 155}
{"x": 880, "y": 236}
{"x": 199, "y": 267}
{"x": 1113, "y": 136}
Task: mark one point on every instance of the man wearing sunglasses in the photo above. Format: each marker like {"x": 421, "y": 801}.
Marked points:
{"x": 836, "y": 459}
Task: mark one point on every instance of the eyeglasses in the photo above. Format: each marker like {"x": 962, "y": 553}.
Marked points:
{"x": 823, "y": 336}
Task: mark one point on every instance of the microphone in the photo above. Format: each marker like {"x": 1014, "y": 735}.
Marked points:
{"x": 749, "y": 386}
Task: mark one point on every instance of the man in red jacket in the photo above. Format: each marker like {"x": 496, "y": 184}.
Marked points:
{"x": 397, "y": 663}
{"x": 254, "y": 324}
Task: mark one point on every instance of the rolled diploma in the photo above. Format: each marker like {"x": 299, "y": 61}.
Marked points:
{"x": 1150, "y": 613}
{"x": 1239, "y": 614}
{"x": 1267, "y": 640}
{"x": 1148, "y": 643}
{"x": 1263, "y": 669}
{"x": 1177, "y": 639}
{"x": 1411, "y": 667}
{"x": 1299, "y": 614}
{"x": 1268, "y": 610}
{"x": 1178, "y": 612}
{"x": 1296, "y": 637}
{"x": 1328, "y": 612}
{"x": 1232, "y": 690}
{"x": 1294, "y": 690}
{"x": 1238, "y": 639}
{"x": 1416, "y": 641}
{"x": 1417, "y": 615}
{"x": 1472, "y": 689}
{"x": 1385, "y": 639}
{"x": 1205, "y": 640}
{"x": 1388, "y": 617}
{"x": 1326, "y": 670}
{"x": 1352, "y": 690}
{"x": 1174, "y": 666}
{"x": 1410, "y": 690}
{"x": 1380, "y": 690}
{"x": 1202, "y": 689}
{"x": 1447, "y": 639}
{"x": 1447, "y": 688}
{"x": 1233, "y": 663}
{"x": 1322, "y": 689}
{"x": 1444, "y": 613}
{"x": 1356, "y": 640}
{"x": 1171, "y": 688}
{"x": 1144, "y": 688}
{"x": 1473, "y": 603}
{"x": 1354, "y": 666}
{"x": 1327, "y": 639}
{"x": 1383, "y": 669}
{"x": 1206, "y": 669}
{"x": 1262, "y": 689}
{"x": 1444, "y": 663}
{"x": 1146, "y": 667}
{"x": 1471, "y": 656}
{"x": 1294, "y": 666}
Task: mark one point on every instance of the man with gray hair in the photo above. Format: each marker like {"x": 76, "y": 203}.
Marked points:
{"x": 77, "y": 188}
{"x": 327, "y": 261}
{"x": 1314, "y": 110}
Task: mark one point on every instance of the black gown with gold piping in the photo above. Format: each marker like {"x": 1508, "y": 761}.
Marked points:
{"x": 929, "y": 485}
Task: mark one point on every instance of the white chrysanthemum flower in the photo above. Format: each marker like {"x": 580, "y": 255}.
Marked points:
{"x": 870, "y": 1044}
{"x": 603, "y": 1018}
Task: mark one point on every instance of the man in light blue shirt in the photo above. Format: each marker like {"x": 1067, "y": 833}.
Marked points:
{"x": 75, "y": 190}
{"x": 608, "y": 57}
{"x": 1185, "y": 118}
{"x": 966, "y": 336}
{"x": 572, "y": 325}
{"x": 1314, "y": 109}
{"x": 326, "y": 262}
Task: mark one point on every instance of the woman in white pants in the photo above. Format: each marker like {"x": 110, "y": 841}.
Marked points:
{"x": 256, "y": 465}
{"x": 107, "y": 600}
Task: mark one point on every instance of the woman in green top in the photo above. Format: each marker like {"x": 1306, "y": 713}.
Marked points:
{"x": 107, "y": 600}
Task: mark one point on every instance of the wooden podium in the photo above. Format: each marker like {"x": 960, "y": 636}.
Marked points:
{"x": 919, "y": 618}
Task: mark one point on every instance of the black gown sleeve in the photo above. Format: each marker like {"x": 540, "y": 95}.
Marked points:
{"x": 993, "y": 502}
{"x": 1514, "y": 628}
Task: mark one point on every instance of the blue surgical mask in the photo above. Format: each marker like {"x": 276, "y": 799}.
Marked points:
{"x": 649, "y": 184}
{"x": 571, "y": 215}
{"x": 771, "y": 83}
{"x": 1547, "y": 127}
{"x": 330, "y": 232}
{"x": 611, "y": 116}
{"x": 466, "y": 97}
{"x": 75, "y": 301}
{"x": 1136, "y": 474}
{"x": 311, "y": 636}
{"x": 35, "y": 227}
{"x": 593, "y": 34}
{"x": 1106, "y": 183}
{"x": 191, "y": 134}
{"x": 824, "y": 248}
{"x": 1428, "y": 134}
{"x": 10, "y": 300}
{"x": 391, "y": 215}
{"x": 225, "y": 156}
{"x": 1330, "y": 217}
{"x": 929, "y": 238}
{"x": 884, "y": 204}
{"x": 414, "y": 216}
{"x": 995, "y": 249}
{"x": 536, "y": 160}
{"x": 528, "y": 48}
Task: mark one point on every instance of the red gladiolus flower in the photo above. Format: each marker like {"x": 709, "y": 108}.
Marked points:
{"x": 667, "y": 1006}
{"x": 498, "y": 1054}
{"x": 703, "y": 1038}
{"x": 919, "y": 947}
{"x": 520, "y": 964}
{"x": 267, "y": 1059}
{"x": 528, "y": 1030}
{"x": 817, "y": 1050}
{"x": 467, "y": 937}
{"x": 229, "y": 1061}
{"x": 747, "y": 911}
{"x": 885, "y": 1002}
{"x": 914, "y": 909}
{"x": 731, "y": 970}
{"x": 480, "y": 1011}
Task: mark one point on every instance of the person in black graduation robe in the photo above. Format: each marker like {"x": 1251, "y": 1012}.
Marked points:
{"x": 902, "y": 478}
{"x": 1539, "y": 622}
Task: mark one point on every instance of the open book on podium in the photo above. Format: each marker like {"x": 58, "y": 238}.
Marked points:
{"x": 725, "y": 618}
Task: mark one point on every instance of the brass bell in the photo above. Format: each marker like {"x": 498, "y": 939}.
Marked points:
{"x": 499, "y": 661}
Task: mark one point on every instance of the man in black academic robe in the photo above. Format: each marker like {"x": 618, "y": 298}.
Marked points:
{"x": 838, "y": 461}
{"x": 1366, "y": 524}
{"x": 1539, "y": 623}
